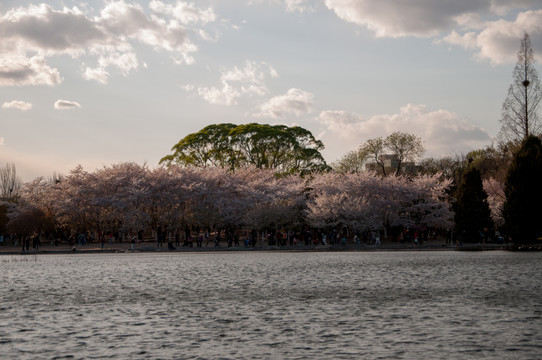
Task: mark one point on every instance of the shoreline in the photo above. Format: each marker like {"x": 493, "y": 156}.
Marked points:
{"x": 152, "y": 248}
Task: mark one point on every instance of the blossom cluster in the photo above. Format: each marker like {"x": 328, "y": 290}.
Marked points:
{"x": 128, "y": 197}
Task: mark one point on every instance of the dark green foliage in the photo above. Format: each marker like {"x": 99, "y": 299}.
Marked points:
{"x": 3, "y": 218}
{"x": 523, "y": 189}
{"x": 472, "y": 214}
{"x": 286, "y": 149}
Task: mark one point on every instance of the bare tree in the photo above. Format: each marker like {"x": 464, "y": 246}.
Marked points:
{"x": 519, "y": 111}
{"x": 405, "y": 147}
{"x": 375, "y": 149}
{"x": 9, "y": 182}
{"x": 352, "y": 162}
{"x": 383, "y": 155}
{"x": 55, "y": 178}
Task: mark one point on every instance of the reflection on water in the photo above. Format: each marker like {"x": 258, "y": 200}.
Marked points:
{"x": 432, "y": 305}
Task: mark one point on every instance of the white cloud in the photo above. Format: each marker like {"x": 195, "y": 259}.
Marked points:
{"x": 124, "y": 62}
{"x": 498, "y": 41}
{"x": 186, "y": 13}
{"x": 290, "y": 5}
{"x": 501, "y": 7}
{"x": 473, "y": 24}
{"x": 39, "y": 28}
{"x": 66, "y": 104}
{"x": 2, "y": 141}
{"x": 31, "y": 34}
{"x": 227, "y": 95}
{"x": 295, "y": 101}
{"x": 397, "y": 18}
{"x": 17, "y": 104}
{"x": 296, "y": 5}
{"x": 99, "y": 74}
{"x": 19, "y": 70}
{"x": 237, "y": 82}
{"x": 442, "y": 131}
{"x": 421, "y": 18}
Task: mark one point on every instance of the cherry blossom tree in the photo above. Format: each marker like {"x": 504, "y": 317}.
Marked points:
{"x": 275, "y": 202}
{"x": 74, "y": 201}
{"x": 32, "y": 212}
{"x": 366, "y": 201}
{"x": 424, "y": 202}
{"x": 495, "y": 198}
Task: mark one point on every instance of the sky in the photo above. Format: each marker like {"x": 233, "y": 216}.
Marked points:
{"x": 96, "y": 83}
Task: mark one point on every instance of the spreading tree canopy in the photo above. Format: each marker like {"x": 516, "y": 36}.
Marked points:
{"x": 472, "y": 213}
{"x": 522, "y": 209}
{"x": 285, "y": 149}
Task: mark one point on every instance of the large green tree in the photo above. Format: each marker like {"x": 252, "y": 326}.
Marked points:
{"x": 285, "y": 149}
{"x": 472, "y": 214}
{"x": 522, "y": 209}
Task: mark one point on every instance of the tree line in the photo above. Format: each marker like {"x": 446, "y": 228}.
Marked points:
{"x": 260, "y": 176}
{"x": 127, "y": 198}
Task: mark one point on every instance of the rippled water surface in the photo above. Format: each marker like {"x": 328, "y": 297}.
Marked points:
{"x": 257, "y": 305}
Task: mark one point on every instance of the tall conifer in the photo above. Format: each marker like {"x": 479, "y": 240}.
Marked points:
{"x": 472, "y": 214}
{"x": 523, "y": 189}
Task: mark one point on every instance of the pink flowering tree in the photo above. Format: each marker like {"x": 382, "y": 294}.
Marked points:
{"x": 365, "y": 200}
{"x": 495, "y": 199}
{"x": 424, "y": 203}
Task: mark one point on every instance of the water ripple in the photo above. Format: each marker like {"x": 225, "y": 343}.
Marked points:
{"x": 438, "y": 305}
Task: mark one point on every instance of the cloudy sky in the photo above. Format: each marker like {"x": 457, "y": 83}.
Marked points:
{"x": 102, "y": 82}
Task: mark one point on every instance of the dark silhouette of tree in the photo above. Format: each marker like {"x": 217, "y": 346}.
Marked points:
{"x": 450, "y": 167}
{"x": 472, "y": 213}
{"x": 4, "y": 219}
{"x": 286, "y": 149}
{"x": 519, "y": 110}
{"x": 493, "y": 162}
{"x": 522, "y": 209}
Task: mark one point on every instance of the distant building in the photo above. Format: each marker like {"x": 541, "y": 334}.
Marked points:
{"x": 391, "y": 162}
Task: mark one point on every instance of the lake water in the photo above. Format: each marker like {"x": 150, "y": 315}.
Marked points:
{"x": 272, "y": 305}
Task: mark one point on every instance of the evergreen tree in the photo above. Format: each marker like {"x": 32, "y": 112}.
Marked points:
{"x": 523, "y": 207}
{"x": 472, "y": 214}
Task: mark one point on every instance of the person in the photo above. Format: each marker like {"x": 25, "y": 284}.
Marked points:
{"x": 133, "y": 241}
{"x": 160, "y": 235}
{"x": 356, "y": 240}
